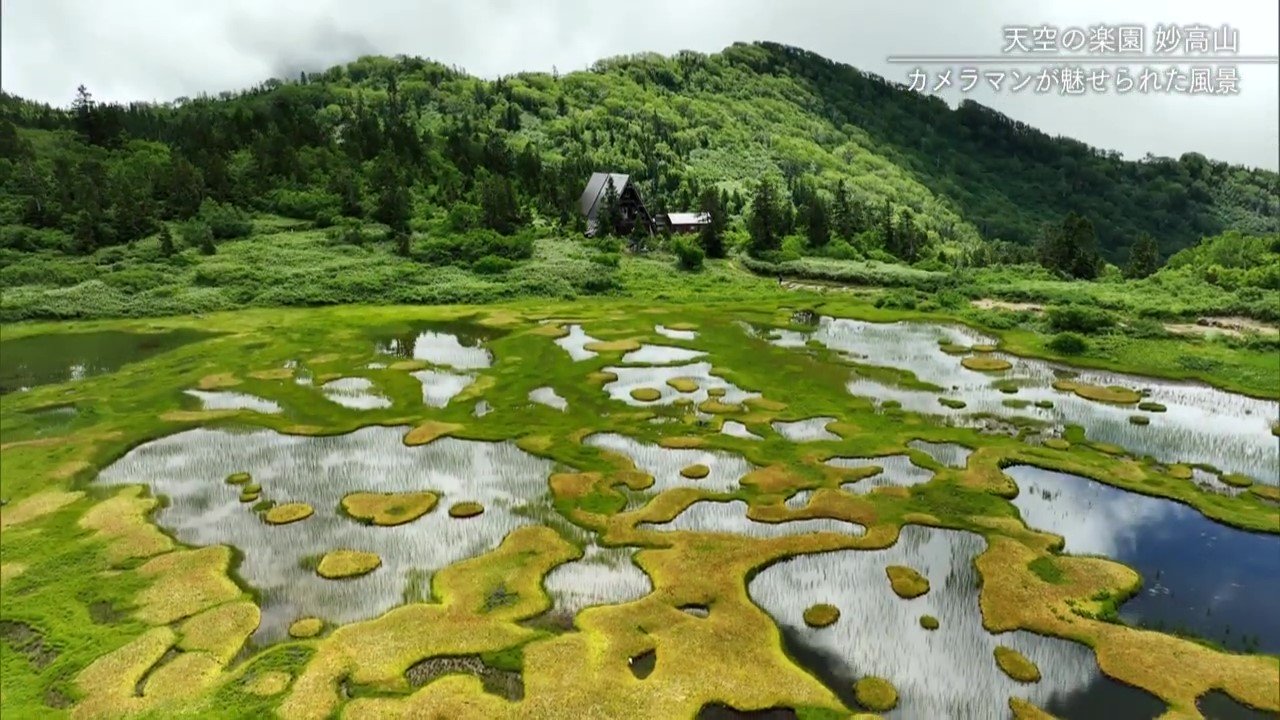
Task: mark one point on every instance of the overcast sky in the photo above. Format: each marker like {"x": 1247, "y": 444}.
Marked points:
{"x": 162, "y": 49}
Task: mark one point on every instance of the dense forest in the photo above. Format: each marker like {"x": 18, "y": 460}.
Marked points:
{"x": 792, "y": 154}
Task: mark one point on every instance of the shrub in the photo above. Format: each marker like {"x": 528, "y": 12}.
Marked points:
{"x": 1068, "y": 343}
{"x": 226, "y": 221}
{"x": 302, "y": 204}
{"x": 1079, "y": 318}
{"x": 492, "y": 265}
{"x": 688, "y": 253}
{"x": 899, "y": 299}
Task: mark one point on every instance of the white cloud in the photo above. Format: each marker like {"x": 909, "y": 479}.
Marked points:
{"x": 158, "y": 49}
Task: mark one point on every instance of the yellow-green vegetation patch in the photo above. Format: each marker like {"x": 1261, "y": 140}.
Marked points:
{"x": 696, "y": 472}
{"x": 821, "y": 615}
{"x": 1139, "y": 420}
{"x": 239, "y": 478}
{"x": 613, "y": 346}
{"x": 184, "y": 582}
{"x": 288, "y": 512}
{"x": 1113, "y": 394}
{"x": 681, "y": 442}
{"x": 338, "y": 564}
{"x": 764, "y": 403}
{"x": 218, "y": 381}
{"x": 906, "y": 582}
{"x": 1148, "y": 406}
{"x": 550, "y": 330}
{"x": 388, "y": 509}
{"x": 1044, "y": 404}
{"x": 466, "y": 509}
{"x": 1275, "y": 429}
{"x": 1266, "y": 492}
{"x": 1057, "y": 444}
{"x": 1022, "y": 709}
{"x": 407, "y": 365}
{"x": 266, "y": 684}
{"x": 430, "y": 430}
{"x": 715, "y": 407}
{"x": 683, "y": 384}
{"x": 276, "y": 374}
{"x": 1236, "y": 480}
{"x": 952, "y": 403}
{"x": 875, "y": 694}
{"x": 307, "y": 627}
{"x": 646, "y": 394}
{"x": 1016, "y": 665}
{"x": 953, "y": 348}
{"x": 684, "y": 326}
{"x": 1108, "y": 448}
{"x": 1180, "y": 472}
{"x": 716, "y": 392}
{"x": 36, "y": 506}
{"x": 220, "y": 631}
{"x": 601, "y": 377}
{"x": 247, "y": 496}
{"x": 986, "y": 364}
{"x": 984, "y": 348}
{"x": 929, "y": 622}
{"x": 122, "y": 521}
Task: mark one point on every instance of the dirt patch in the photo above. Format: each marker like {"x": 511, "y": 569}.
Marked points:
{"x": 29, "y": 642}
{"x": 504, "y": 683}
{"x": 989, "y": 304}
{"x": 102, "y": 612}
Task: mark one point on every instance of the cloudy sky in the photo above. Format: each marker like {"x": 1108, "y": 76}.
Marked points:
{"x": 162, "y": 49}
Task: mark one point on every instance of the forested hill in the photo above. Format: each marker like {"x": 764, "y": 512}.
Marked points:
{"x": 408, "y": 143}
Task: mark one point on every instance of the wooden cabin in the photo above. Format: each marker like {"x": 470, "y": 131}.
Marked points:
{"x": 631, "y": 208}
{"x": 686, "y": 222}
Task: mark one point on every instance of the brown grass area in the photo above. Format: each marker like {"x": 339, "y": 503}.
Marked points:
{"x": 681, "y": 442}
{"x": 271, "y": 682}
{"x": 273, "y": 374}
{"x": 906, "y": 582}
{"x": 696, "y": 471}
{"x": 218, "y": 381}
{"x": 108, "y": 682}
{"x": 195, "y": 416}
{"x": 183, "y": 677}
{"x": 601, "y": 377}
{"x": 550, "y": 330}
{"x": 1016, "y": 665}
{"x": 430, "y": 430}
{"x": 339, "y": 564}
{"x": 572, "y": 486}
{"x": 388, "y": 509}
{"x": 683, "y": 384}
{"x": 220, "y": 631}
{"x": 377, "y": 652}
{"x": 986, "y": 364}
{"x": 465, "y": 509}
{"x": 11, "y": 570}
{"x": 763, "y": 403}
{"x": 613, "y": 346}
{"x": 307, "y": 627}
{"x": 184, "y": 582}
{"x": 121, "y": 522}
{"x": 1024, "y": 710}
{"x": 288, "y": 513}
{"x": 1176, "y": 670}
{"x": 35, "y": 506}
{"x": 715, "y": 407}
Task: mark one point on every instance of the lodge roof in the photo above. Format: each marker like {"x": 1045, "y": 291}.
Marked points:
{"x": 595, "y": 190}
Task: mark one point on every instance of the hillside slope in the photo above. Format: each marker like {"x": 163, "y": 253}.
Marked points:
{"x": 502, "y": 153}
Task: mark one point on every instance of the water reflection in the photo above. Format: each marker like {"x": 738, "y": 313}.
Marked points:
{"x": 549, "y": 397}
{"x": 224, "y": 400}
{"x": 575, "y": 343}
{"x": 736, "y": 429}
{"x": 456, "y": 347}
{"x": 190, "y": 470}
{"x": 808, "y": 430}
{"x": 1198, "y": 576}
{"x": 354, "y": 392}
{"x": 895, "y": 471}
{"x": 731, "y": 517}
{"x": 945, "y": 673}
{"x": 36, "y": 360}
{"x": 438, "y": 387}
{"x": 1201, "y": 424}
{"x": 632, "y": 378}
{"x": 602, "y": 576}
{"x": 665, "y": 464}
{"x": 660, "y": 355}
{"x": 949, "y": 454}
{"x": 675, "y": 334}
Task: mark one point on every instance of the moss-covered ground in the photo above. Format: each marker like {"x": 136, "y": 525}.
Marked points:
{"x": 128, "y": 621}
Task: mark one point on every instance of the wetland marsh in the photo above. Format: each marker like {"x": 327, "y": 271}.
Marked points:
{"x": 384, "y": 512}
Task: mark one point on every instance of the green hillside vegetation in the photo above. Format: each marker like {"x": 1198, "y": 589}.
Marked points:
{"x": 402, "y": 180}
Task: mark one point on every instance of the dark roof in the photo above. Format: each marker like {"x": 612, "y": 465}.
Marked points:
{"x": 595, "y": 190}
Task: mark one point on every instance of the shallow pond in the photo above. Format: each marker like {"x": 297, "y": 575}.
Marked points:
{"x": 456, "y": 345}
{"x": 439, "y": 387}
{"x": 895, "y": 471}
{"x": 1201, "y": 425}
{"x": 945, "y": 673}
{"x": 36, "y": 360}
{"x": 807, "y": 430}
{"x": 660, "y": 355}
{"x": 1198, "y": 576}
{"x": 355, "y": 393}
{"x": 602, "y": 576}
{"x": 227, "y": 400}
{"x": 575, "y": 343}
{"x": 731, "y": 517}
{"x": 656, "y": 377}
{"x": 675, "y": 334}
{"x": 724, "y": 470}
{"x": 190, "y": 469}
{"x": 549, "y": 397}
